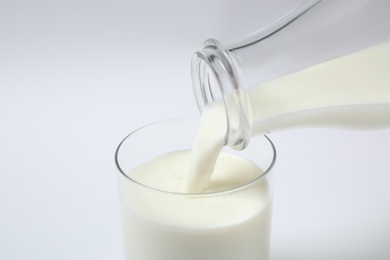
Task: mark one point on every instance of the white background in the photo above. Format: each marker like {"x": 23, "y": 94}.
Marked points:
{"x": 77, "y": 76}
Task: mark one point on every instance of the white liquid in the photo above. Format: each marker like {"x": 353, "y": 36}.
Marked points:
{"x": 352, "y": 91}
{"x": 208, "y": 144}
{"x": 163, "y": 226}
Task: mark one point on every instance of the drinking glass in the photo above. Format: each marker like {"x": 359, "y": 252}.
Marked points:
{"x": 233, "y": 224}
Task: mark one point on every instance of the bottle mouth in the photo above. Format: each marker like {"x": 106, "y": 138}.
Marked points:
{"x": 216, "y": 76}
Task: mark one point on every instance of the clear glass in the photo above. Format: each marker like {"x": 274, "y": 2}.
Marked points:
{"x": 313, "y": 32}
{"x": 161, "y": 225}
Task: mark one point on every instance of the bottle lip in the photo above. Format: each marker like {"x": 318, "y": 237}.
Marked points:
{"x": 216, "y": 76}
{"x": 211, "y": 73}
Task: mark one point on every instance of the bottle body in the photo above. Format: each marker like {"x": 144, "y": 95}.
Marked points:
{"x": 293, "y": 72}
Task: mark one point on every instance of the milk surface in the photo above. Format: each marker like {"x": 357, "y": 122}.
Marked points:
{"x": 164, "y": 226}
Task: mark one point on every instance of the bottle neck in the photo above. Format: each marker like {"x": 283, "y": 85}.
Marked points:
{"x": 216, "y": 77}
{"x": 218, "y": 74}
{"x": 313, "y": 32}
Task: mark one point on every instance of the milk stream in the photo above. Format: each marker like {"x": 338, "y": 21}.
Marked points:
{"x": 208, "y": 144}
{"x": 348, "y": 92}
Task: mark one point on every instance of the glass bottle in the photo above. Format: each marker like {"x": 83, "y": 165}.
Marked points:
{"x": 311, "y": 34}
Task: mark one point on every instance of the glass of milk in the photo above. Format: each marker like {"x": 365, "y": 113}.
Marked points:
{"x": 229, "y": 220}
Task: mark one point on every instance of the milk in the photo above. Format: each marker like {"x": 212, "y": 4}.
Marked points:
{"x": 208, "y": 143}
{"x": 165, "y": 226}
{"x": 349, "y": 92}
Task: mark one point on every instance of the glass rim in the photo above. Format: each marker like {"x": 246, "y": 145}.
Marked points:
{"x": 201, "y": 194}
